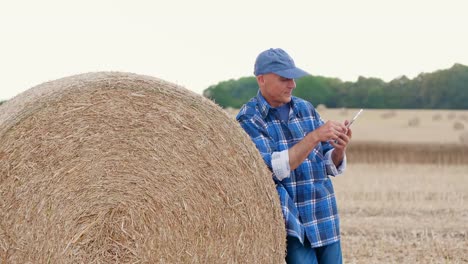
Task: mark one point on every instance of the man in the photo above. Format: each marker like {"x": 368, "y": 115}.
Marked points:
{"x": 301, "y": 151}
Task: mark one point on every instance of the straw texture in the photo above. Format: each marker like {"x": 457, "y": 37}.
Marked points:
{"x": 115, "y": 167}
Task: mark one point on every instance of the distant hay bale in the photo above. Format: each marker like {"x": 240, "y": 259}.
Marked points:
{"x": 458, "y": 126}
{"x": 321, "y": 107}
{"x": 463, "y": 117}
{"x": 437, "y": 117}
{"x": 464, "y": 138}
{"x": 451, "y": 116}
{"x": 388, "y": 114}
{"x": 414, "y": 122}
{"x": 123, "y": 168}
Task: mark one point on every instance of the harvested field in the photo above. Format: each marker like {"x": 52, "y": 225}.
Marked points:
{"x": 406, "y": 213}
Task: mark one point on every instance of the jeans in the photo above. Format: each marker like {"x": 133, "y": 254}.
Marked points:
{"x": 302, "y": 254}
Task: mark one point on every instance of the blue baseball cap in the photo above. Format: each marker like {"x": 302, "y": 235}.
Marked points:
{"x": 277, "y": 61}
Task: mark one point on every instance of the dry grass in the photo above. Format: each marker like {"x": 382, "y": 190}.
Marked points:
{"x": 404, "y": 214}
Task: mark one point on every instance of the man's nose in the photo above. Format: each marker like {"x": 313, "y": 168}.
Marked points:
{"x": 292, "y": 84}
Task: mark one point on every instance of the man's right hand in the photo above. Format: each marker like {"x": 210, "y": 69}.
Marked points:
{"x": 331, "y": 130}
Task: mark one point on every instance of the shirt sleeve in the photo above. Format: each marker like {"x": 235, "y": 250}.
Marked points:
{"x": 276, "y": 161}
{"x": 332, "y": 169}
{"x": 280, "y": 164}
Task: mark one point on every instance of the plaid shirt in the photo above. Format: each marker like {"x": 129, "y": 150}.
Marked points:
{"x": 307, "y": 197}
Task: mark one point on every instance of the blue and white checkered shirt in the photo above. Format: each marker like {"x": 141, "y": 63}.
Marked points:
{"x": 306, "y": 193}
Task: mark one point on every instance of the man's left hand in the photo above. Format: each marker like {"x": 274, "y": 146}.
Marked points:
{"x": 340, "y": 145}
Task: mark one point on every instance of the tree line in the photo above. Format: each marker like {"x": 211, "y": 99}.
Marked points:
{"x": 442, "y": 89}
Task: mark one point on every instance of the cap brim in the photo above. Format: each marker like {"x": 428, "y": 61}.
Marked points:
{"x": 293, "y": 73}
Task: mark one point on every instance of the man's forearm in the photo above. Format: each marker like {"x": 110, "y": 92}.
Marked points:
{"x": 337, "y": 157}
{"x": 301, "y": 150}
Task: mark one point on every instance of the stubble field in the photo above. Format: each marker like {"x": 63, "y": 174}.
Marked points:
{"x": 403, "y": 197}
{"x": 408, "y": 213}
{"x": 411, "y": 209}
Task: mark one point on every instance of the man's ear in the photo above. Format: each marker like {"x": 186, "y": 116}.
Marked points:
{"x": 260, "y": 80}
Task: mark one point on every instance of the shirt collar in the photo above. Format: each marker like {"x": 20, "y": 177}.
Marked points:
{"x": 265, "y": 106}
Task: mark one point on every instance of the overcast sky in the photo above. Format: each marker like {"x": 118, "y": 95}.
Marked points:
{"x": 200, "y": 43}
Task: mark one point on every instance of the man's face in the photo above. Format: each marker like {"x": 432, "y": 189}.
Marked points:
{"x": 277, "y": 90}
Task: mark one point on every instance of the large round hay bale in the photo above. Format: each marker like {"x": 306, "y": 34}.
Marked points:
{"x": 116, "y": 167}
